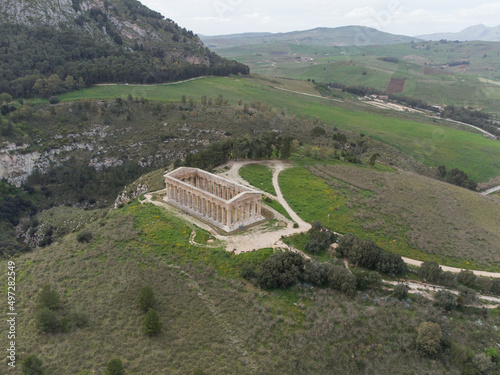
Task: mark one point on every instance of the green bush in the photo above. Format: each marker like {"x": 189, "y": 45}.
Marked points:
{"x": 400, "y": 291}
{"x": 146, "y": 299}
{"x": 151, "y": 322}
{"x": 281, "y": 270}
{"x": 429, "y": 339}
{"x": 84, "y": 236}
{"x": 430, "y": 272}
{"x": 339, "y": 278}
{"x": 32, "y": 365}
{"x": 368, "y": 280}
{"x": 48, "y": 298}
{"x": 46, "y": 320}
{"x": 467, "y": 277}
{"x": 445, "y": 300}
{"x": 54, "y": 100}
{"x": 115, "y": 367}
{"x": 79, "y": 317}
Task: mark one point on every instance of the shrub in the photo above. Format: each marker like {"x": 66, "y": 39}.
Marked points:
{"x": 248, "y": 271}
{"x": 32, "y": 365}
{"x": 281, "y": 270}
{"x": 483, "y": 364}
{"x": 295, "y": 225}
{"x": 492, "y": 353}
{"x": 430, "y": 272}
{"x": 146, "y": 299}
{"x": 400, "y": 291}
{"x": 368, "y": 280}
{"x": 54, "y": 100}
{"x": 445, "y": 300}
{"x": 316, "y": 273}
{"x": 84, "y": 236}
{"x": 429, "y": 339}
{"x": 319, "y": 239}
{"x": 46, "y": 320}
{"x": 484, "y": 283}
{"x": 48, "y": 298}
{"x": 79, "y": 317}
{"x": 341, "y": 279}
{"x": 467, "y": 296}
{"x": 467, "y": 277}
{"x": 151, "y": 322}
{"x": 115, "y": 367}
{"x": 448, "y": 279}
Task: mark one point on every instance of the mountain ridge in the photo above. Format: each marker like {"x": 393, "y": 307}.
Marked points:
{"x": 99, "y": 42}
{"x": 326, "y": 36}
{"x": 476, "y": 32}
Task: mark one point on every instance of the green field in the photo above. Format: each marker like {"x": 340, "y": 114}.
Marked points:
{"x": 403, "y": 212}
{"x": 414, "y": 135}
{"x": 259, "y": 176}
{"x": 476, "y": 85}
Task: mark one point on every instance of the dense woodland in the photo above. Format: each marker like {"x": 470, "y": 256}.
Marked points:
{"x": 44, "y": 61}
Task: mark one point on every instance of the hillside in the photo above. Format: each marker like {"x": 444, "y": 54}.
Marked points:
{"x": 477, "y": 32}
{"x": 215, "y": 321}
{"x": 57, "y": 46}
{"x": 322, "y": 36}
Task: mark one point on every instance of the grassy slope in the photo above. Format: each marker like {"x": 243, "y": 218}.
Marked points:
{"x": 431, "y": 144}
{"x": 212, "y": 320}
{"x": 411, "y": 215}
{"x": 259, "y": 176}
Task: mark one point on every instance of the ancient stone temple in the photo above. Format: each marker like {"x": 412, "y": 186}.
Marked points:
{"x": 219, "y": 201}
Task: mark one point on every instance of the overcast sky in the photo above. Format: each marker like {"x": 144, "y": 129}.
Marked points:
{"x": 214, "y": 17}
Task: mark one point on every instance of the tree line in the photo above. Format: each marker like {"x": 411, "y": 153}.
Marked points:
{"x": 268, "y": 145}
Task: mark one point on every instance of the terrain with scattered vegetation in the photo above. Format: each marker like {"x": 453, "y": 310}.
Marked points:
{"x": 107, "y": 283}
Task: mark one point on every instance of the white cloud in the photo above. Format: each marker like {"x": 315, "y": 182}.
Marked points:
{"x": 396, "y": 16}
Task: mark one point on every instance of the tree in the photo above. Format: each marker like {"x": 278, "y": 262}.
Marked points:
{"x": 467, "y": 277}
{"x": 400, "y": 291}
{"x": 281, "y": 270}
{"x": 32, "y": 365}
{"x": 54, "y": 100}
{"x": 318, "y": 131}
{"x": 146, "y": 299}
{"x": 446, "y": 300}
{"x": 115, "y": 367}
{"x": 151, "y": 322}
{"x": 46, "y": 320}
{"x": 429, "y": 339}
{"x": 430, "y": 271}
{"x": 48, "y": 298}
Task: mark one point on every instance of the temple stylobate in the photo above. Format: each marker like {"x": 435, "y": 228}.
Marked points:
{"x": 224, "y": 203}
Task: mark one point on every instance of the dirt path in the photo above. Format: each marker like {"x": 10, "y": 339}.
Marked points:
{"x": 147, "y": 84}
{"x": 428, "y": 291}
{"x": 306, "y": 94}
{"x": 418, "y": 263}
{"x": 492, "y": 190}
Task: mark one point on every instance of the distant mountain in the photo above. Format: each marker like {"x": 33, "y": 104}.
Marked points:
{"x": 94, "y": 41}
{"x": 478, "y": 32}
{"x": 321, "y": 36}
